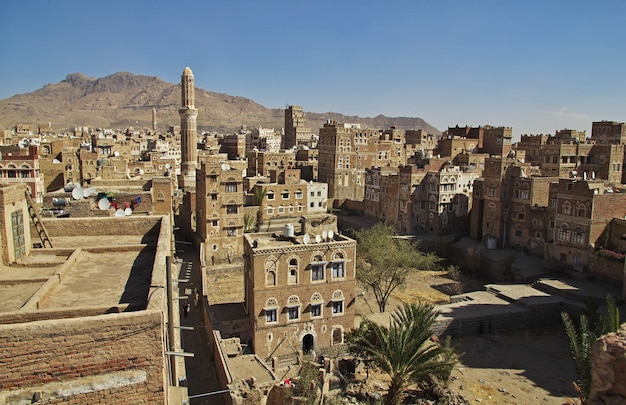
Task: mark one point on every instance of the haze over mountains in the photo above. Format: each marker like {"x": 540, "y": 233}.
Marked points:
{"x": 121, "y": 99}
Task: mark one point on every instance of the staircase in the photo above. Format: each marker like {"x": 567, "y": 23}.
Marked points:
{"x": 34, "y": 216}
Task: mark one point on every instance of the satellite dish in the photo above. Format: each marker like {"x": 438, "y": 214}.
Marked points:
{"x": 68, "y": 187}
{"x": 141, "y": 172}
{"x": 56, "y": 161}
{"x": 306, "y": 239}
{"x": 225, "y": 166}
{"x": 324, "y": 235}
{"x": 104, "y": 203}
{"x": 331, "y": 235}
{"x": 168, "y": 166}
{"x": 128, "y": 211}
{"x": 86, "y": 192}
{"x": 318, "y": 239}
{"x": 77, "y": 193}
{"x": 120, "y": 213}
{"x": 116, "y": 153}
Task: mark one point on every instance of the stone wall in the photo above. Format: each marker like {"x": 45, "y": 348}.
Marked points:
{"x": 608, "y": 384}
{"x": 116, "y": 358}
{"x": 133, "y": 225}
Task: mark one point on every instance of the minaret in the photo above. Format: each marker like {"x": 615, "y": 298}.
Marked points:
{"x": 188, "y": 132}
{"x": 154, "y": 123}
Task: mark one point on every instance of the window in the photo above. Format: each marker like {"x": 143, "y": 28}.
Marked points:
{"x": 316, "y": 310}
{"x": 578, "y": 237}
{"x": 231, "y": 187}
{"x": 521, "y": 216}
{"x": 214, "y": 197}
{"x": 581, "y": 211}
{"x": 231, "y": 209}
{"x": 518, "y": 232}
{"x": 299, "y": 194}
{"x": 285, "y": 195}
{"x": 491, "y": 192}
{"x": 231, "y": 231}
{"x": 337, "y": 335}
{"x": 566, "y": 208}
{"x": 293, "y": 313}
{"x": 270, "y": 195}
{"x": 292, "y": 278}
{"x": 337, "y": 307}
{"x": 270, "y": 315}
{"x": 338, "y": 270}
{"x": 317, "y": 272}
{"x": 564, "y": 232}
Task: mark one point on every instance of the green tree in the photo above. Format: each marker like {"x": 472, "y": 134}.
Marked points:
{"x": 260, "y": 194}
{"x": 384, "y": 261}
{"x": 581, "y": 339}
{"x": 248, "y": 222}
{"x": 404, "y": 350}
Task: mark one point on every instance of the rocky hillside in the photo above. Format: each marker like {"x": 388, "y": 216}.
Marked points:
{"x": 121, "y": 99}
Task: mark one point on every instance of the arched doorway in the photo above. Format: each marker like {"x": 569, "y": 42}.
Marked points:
{"x": 307, "y": 343}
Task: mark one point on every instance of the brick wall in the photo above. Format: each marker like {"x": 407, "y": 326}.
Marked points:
{"x": 104, "y": 359}
{"x": 134, "y": 225}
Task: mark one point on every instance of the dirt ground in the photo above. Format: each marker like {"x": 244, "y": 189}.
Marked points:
{"x": 521, "y": 367}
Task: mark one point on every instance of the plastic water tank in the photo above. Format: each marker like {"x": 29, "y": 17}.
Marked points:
{"x": 288, "y": 231}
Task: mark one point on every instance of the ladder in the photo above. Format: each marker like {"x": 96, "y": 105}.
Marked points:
{"x": 34, "y": 216}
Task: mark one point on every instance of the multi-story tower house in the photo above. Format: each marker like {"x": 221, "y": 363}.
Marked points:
{"x": 532, "y": 145}
{"x": 263, "y": 138}
{"x": 188, "y": 132}
{"x": 299, "y": 289}
{"x": 296, "y": 131}
{"x": 219, "y": 215}
{"x": 424, "y": 142}
{"x": 563, "y": 153}
{"x": 346, "y": 150}
{"x": 489, "y": 214}
{"x": 287, "y": 196}
{"x": 261, "y": 162}
{"x": 234, "y": 146}
{"x": 442, "y": 199}
{"x": 497, "y": 140}
{"x": 21, "y": 165}
{"x": 376, "y": 191}
{"x": 609, "y": 132}
{"x": 528, "y": 214}
{"x": 582, "y": 210}
{"x": 307, "y": 162}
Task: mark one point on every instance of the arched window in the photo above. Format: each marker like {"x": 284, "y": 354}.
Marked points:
{"x": 337, "y": 302}
{"x": 567, "y": 208}
{"x": 293, "y": 308}
{"x": 579, "y": 236}
{"x": 317, "y": 303}
{"x": 292, "y": 271}
{"x": 581, "y": 211}
{"x": 270, "y": 272}
{"x": 271, "y": 310}
{"x": 564, "y": 232}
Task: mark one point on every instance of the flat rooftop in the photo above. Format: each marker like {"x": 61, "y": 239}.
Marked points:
{"x": 111, "y": 266}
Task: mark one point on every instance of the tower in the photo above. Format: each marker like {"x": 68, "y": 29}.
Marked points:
{"x": 296, "y": 133}
{"x": 188, "y": 132}
{"x": 154, "y": 122}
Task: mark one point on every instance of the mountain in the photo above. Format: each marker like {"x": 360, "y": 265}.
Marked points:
{"x": 120, "y": 100}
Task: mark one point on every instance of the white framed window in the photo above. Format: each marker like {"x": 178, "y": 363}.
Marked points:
{"x": 270, "y": 315}
{"x": 337, "y": 307}
{"x": 316, "y": 310}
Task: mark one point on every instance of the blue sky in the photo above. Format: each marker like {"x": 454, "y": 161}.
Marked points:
{"x": 537, "y": 66}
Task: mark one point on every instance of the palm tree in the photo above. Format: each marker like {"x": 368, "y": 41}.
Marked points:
{"x": 590, "y": 327}
{"x": 404, "y": 350}
{"x": 260, "y": 194}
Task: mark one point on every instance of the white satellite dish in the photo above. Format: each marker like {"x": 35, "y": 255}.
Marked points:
{"x": 104, "y": 203}
{"x": 86, "y": 192}
{"x": 141, "y": 172}
{"x": 168, "y": 166}
{"x": 225, "y": 166}
{"x": 324, "y": 235}
{"x": 306, "y": 239}
{"x": 77, "y": 193}
{"x": 318, "y": 239}
{"x": 120, "y": 213}
{"x": 128, "y": 211}
{"x": 56, "y": 161}
{"x": 331, "y": 235}
{"x": 116, "y": 153}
